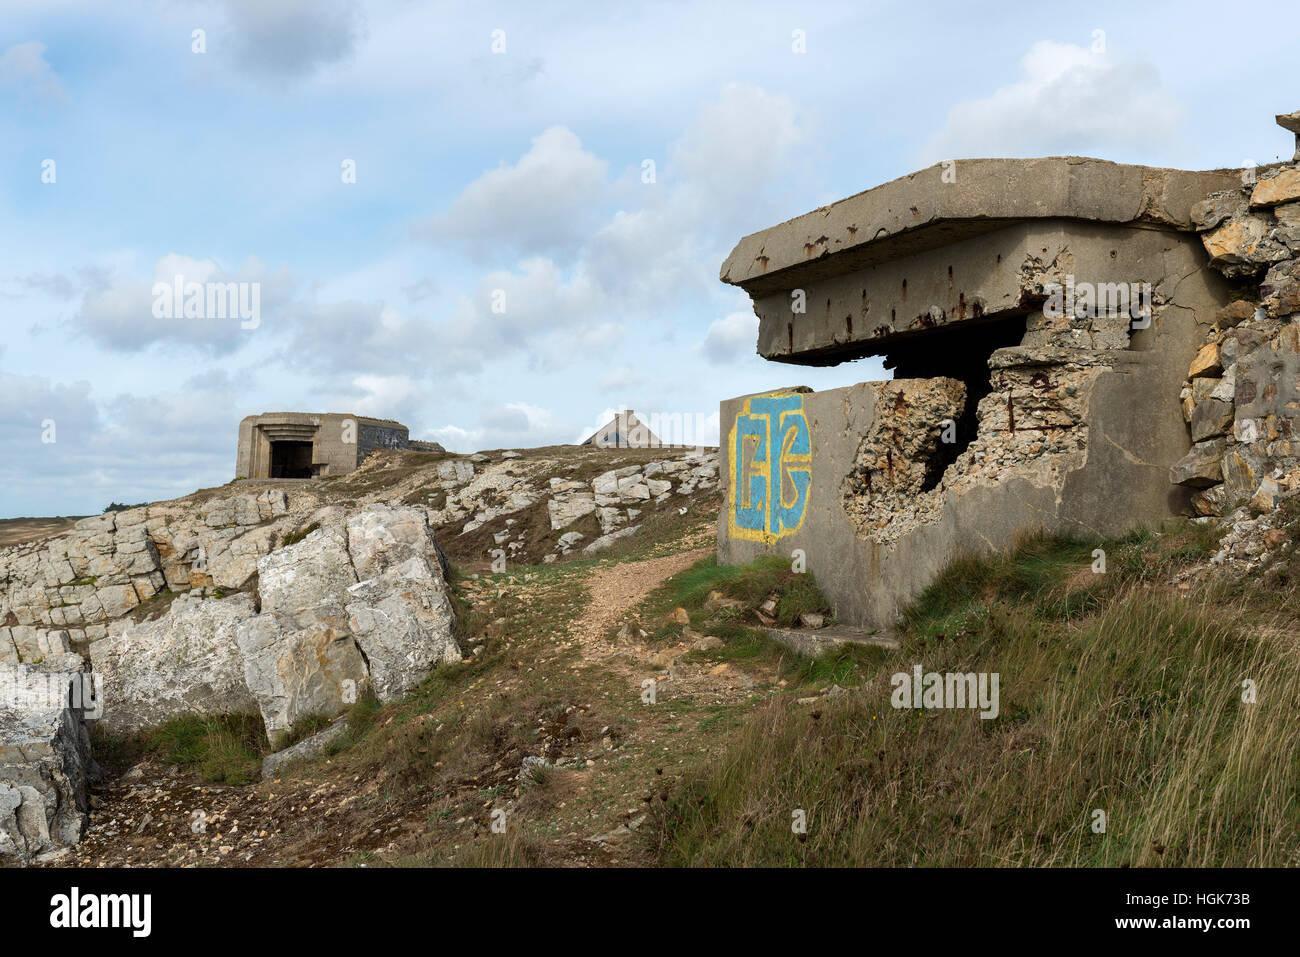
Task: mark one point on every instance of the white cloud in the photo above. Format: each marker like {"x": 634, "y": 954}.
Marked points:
{"x": 23, "y": 67}
{"x": 507, "y": 426}
{"x": 1067, "y": 100}
{"x": 543, "y": 204}
{"x": 117, "y": 311}
{"x": 731, "y": 338}
{"x": 128, "y": 447}
{"x": 738, "y": 145}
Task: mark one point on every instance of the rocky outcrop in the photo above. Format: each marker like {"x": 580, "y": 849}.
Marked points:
{"x": 475, "y": 492}
{"x": 45, "y": 761}
{"x": 359, "y": 604}
{"x": 186, "y": 662}
{"x": 110, "y": 564}
{"x": 1241, "y": 399}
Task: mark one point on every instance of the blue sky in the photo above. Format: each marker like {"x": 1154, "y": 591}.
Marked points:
{"x": 518, "y": 171}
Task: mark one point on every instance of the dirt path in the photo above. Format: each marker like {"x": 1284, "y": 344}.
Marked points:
{"x": 617, "y": 588}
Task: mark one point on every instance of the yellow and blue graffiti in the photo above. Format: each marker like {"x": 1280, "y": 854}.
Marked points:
{"x": 770, "y": 447}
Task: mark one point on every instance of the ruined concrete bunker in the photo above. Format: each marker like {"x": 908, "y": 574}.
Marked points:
{"x": 1039, "y": 317}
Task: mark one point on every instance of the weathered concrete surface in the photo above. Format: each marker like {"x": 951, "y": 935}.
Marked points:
{"x": 887, "y": 305}
{"x": 923, "y": 210}
{"x": 339, "y": 441}
{"x": 1010, "y": 414}
{"x": 1115, "y": 479}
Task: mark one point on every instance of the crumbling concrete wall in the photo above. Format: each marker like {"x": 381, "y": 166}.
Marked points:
{"x": 1041, "y": 335}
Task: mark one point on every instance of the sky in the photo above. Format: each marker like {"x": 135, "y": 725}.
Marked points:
{"x": 501, "y": 222}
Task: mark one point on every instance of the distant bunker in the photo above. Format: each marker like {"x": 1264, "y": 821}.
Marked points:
{"x": 303, "y": 445}
{"x": 1039, "y": 316}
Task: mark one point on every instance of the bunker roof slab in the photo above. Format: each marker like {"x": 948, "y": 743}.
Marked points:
{"x": 928, "y": 209}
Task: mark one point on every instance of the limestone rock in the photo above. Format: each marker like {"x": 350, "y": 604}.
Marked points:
{"x": 1217, "y": 207}
{"x": 306, "y": 573}
{"x": 1234, "y": 313}
{"x": 1281, "y": 188}
{"x": 304, "y": 750}
{"x": 404, "y": 624}
{"x": 186, "y": 662}
{"x": 1201, "y": 466}
{"x": 1241, "y": 469}
{"x": 457, "y": 472}
{"x": 1210, "y": 501}
{"x": 1244, "y": 246}
{"x": 605, "y": 541}
{"x": 300, "y": 665}
{"x": 44, "y": 769}
{"x": 568, "y": 540}
{"x": 380, "y": 537}
{"x": 1211, "y": 418}
{"x": 1206, "y": 362}
{"x": 568, "y": 507}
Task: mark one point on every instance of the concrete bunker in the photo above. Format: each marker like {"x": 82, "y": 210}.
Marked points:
{"x": 303, "y": 445}
{"x": 1039, "y": 317}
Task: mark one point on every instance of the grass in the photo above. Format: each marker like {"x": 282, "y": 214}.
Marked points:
{"x": 297, "y": 536}
{"x": 720, "y": 601}
{"x": 750, "y": 584}
{"x": 1117, "y": 695}
{"x": 223, "y": 749}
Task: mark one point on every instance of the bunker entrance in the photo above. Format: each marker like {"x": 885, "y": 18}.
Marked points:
{"x": 959, "y": 352}
{"x": 291, "y": 460}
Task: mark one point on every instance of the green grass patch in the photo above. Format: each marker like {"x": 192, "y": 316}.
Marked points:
{"x": 223, "y": 749}
{"x": 1117, "y": 695}
{"x": 298, "y": 535}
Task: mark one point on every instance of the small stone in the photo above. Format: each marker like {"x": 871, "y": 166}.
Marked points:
{"x": 1206, "y": 362}
{"x": 1265, "y": 496}
{"x": 1234, "y": 313}
{"x": 1282, "y": 188}
{"x": 1201, "y": 466}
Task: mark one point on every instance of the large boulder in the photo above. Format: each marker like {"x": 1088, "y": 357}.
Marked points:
{"x": 300, "y": 665}
{"x": 404, "y": 623}
{"x": 360, "y": 603}
{"x": 186, "y": 662}
{"x": 306, "y": 573}
{"x": 44, "y": 761}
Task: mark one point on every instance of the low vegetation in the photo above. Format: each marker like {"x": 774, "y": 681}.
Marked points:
{"x": 1120, "y": 696}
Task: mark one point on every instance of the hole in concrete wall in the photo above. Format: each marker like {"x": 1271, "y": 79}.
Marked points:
{"x": 961, "y": 352}
{"x": 291, "y": 460}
